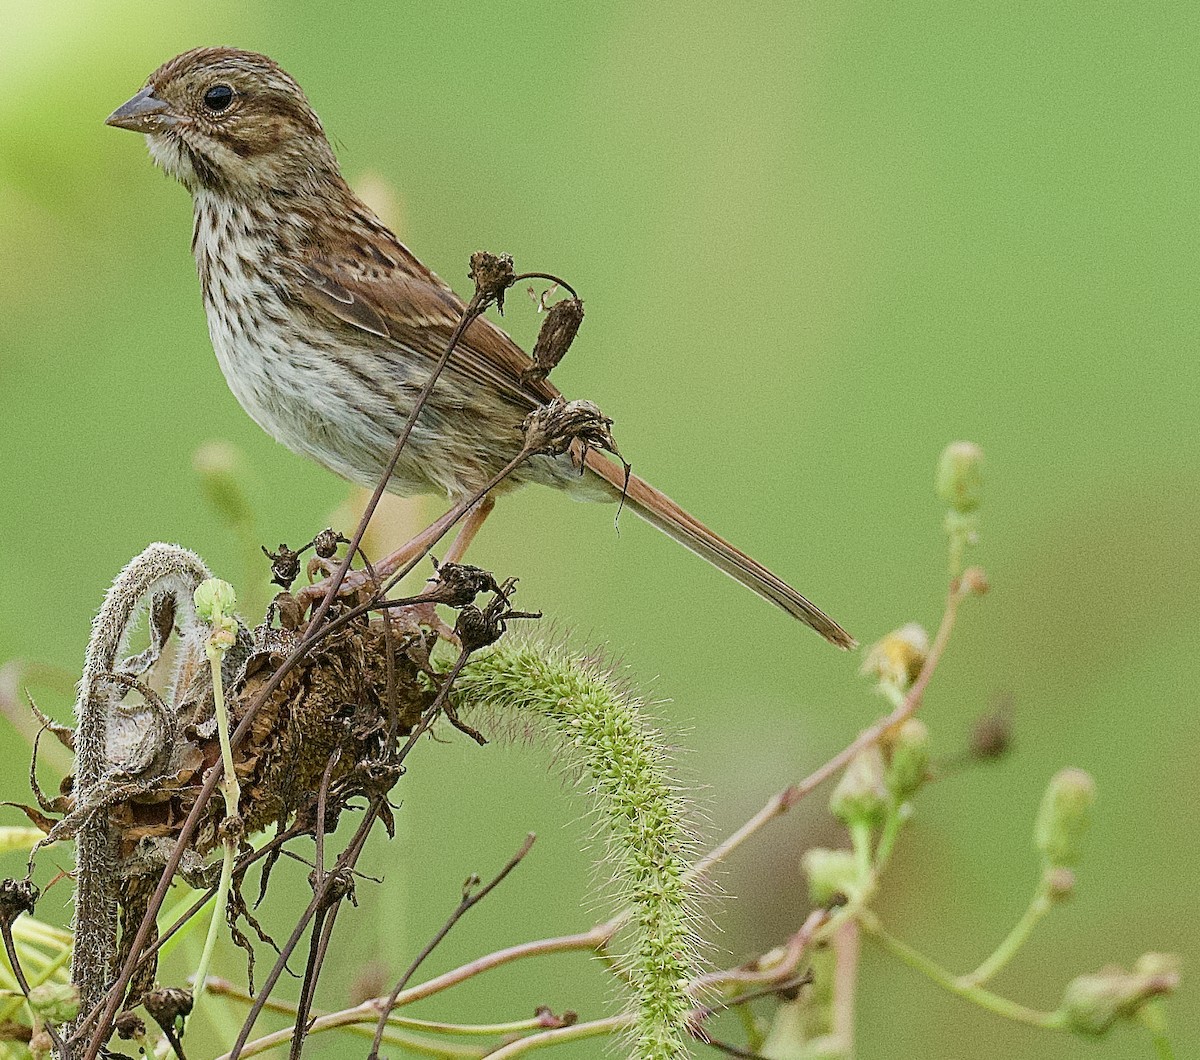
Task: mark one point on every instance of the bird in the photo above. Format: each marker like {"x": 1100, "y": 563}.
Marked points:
{"x": 326, "y": 326}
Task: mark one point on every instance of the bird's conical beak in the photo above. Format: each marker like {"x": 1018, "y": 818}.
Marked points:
{"x": 144, "y": 114}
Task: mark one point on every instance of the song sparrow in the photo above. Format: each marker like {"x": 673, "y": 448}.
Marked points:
{"x": 326, "y": 326}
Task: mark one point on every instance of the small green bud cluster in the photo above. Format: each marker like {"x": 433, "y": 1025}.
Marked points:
{"x": 861, "y": 796}
{"x": 1093, "y": 1003}
{"x": 959, "y": 482}
{"x": 1064, "y": 818}
{"x": 56, "y": 1002}
{"x": 908, "y": 764}
{"x": 215, "y": 601}
{"x": 895, "y": 662}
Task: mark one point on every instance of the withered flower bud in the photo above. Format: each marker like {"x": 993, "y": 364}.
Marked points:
{"x": 974, "y": 580}
{"x": 327, "y": 541}
{"x": 130, "y": 1026}
{"x": 285, "y": 565}
{"x": 554, "y": 427}
{"x": 1060, "y": 884}
{"x": 166, "y": 1005}
{"x": 991, "y": 735}
{"x": 493, "y": 276}
{"x": 476, "y": 629}
{"x": 459, "y": 583}
{"x": 17, "y": 897}
{"x": 557, "y": 333}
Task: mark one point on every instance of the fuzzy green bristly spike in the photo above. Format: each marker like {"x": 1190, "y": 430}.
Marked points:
{"x": 624, "y": 760}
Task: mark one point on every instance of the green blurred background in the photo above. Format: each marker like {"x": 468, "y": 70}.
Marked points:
{"x": 817, "y": 241}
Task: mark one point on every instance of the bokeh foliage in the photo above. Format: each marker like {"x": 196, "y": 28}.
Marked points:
{"x": 816, "y": 241}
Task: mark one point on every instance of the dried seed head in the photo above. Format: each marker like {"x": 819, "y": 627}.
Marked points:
{"x": 557, "y": 333}
{"x": 992, "y": 735}
{"x": 555, "y": 427}
{"x": 458, "y": 584}
{"x": 130, "y": 1026}
{"x": 327, "y": 541}
{"x": 285, "y": 565}
{"x": 17, "y": 897}
{"x": 493, "y": 276}
{"x": 167, "y": 1005}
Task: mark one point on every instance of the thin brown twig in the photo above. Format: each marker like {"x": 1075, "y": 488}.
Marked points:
{"x": 469, "y": 900}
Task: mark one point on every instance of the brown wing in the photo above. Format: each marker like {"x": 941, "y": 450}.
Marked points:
{"x": 385, "y": 291}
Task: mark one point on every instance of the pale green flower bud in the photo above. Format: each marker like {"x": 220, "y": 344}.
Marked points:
{"x": 831, "y": 874}
{"x": 56, "y": 1002}
{"x": 896, "y": 660}
{"x": 861, "y": 796}
{"x": 1093, "y": 1003}
{"x": 909, "y": 765}
{"x": 1064, "y": 817}
{"x": 215, "y": 599}
{"x": 960, "y": 476}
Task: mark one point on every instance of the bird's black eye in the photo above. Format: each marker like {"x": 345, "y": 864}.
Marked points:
{"x": 218, "y": 98}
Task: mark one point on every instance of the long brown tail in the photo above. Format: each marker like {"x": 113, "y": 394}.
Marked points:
{"x": 659, "y": 510}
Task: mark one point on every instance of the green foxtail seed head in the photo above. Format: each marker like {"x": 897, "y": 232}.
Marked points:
{"x": 896, "y": 660}
{"x": 831, "y": 874}
{"x": 57, "y": 1002}
{"x": 625, "y": 764}
{"x": 1093, "y": 1003}
{"x": 960, "y": 476}
{"x": 861, "y": 796}
{"x": 1064, "y": 817}
{"x": 908, "y": 768}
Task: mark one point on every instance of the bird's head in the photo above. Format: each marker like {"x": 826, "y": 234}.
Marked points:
{"x": 232, "y": 122}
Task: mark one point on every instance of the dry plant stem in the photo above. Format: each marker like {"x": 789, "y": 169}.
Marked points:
{"x": 102, "y": 1030}
{"x": 347, "y": 859}
{"x": 345, "y": 862}
{"x": 322, "y": 924}
{"x": 469, "y": 900}
{"x": 225, "y": 988}
{"x": 576, "y": 1032}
